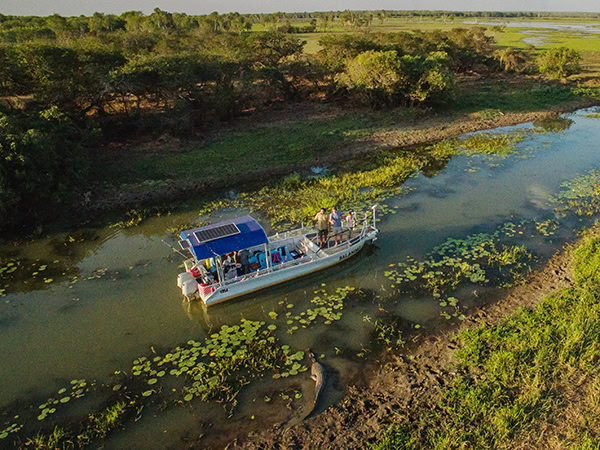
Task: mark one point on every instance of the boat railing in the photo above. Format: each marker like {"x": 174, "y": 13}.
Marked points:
{"x": 259, "y": 273}
{"x": 289, "y": 234}
{"x": 208, "y": 290}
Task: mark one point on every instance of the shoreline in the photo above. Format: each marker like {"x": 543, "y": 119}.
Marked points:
{"x": 406, "y": 384}
{"x": 426, "y": 131}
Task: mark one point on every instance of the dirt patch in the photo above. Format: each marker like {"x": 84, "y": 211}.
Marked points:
{"x": 404, "y": 385}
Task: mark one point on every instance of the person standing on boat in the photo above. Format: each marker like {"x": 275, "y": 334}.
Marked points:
{"x": 322, "y": 224}
{"x": 335, "y": 219}
{"x": 350, "y": 222}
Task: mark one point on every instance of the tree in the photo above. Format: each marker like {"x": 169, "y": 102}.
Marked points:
{"x": 385, "y": 78}
{"x": 559, "y": 63}
{"x": 376, "y": 75}
{"x": 511, "y": 59}
{"x": 162, "y": 20}
{"x": 40, "y": 165}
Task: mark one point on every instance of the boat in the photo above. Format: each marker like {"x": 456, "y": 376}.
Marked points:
{"x": 212, "y": 274}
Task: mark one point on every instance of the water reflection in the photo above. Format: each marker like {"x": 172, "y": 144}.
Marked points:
{"x": 554, "y": 124}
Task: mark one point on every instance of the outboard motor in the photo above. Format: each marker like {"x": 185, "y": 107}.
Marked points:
{"x": 182, "y": 278}
{"x": 189, "y": 288}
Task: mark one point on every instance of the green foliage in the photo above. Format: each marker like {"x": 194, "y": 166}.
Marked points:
{"x": 40, "y": 164}
{"x": 475, "y": 259}
{"x": 384, "y": 78}
{"x": 104, "y": 422}
{"x": 580, "y": 195}
{"x": 559, "y": 62}
{"x": 377, "y": 75}
{"x": 511, "y": 59}
{"x": 355, "y": 190}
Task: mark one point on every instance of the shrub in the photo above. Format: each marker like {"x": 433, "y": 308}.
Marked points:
{"x": 40, "y": 164}
{"x": 559, "y": 62}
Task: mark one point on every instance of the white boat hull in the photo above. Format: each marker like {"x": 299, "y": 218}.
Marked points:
{"x": 288, "y": 271}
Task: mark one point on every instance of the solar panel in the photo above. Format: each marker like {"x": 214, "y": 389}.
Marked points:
{"x": 185, "y": 244}
{"x": 210, "y": 234}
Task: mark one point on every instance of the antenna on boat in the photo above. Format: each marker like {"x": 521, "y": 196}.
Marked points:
{"x": 374, "y": 207}
{"x": 172, "y": 248}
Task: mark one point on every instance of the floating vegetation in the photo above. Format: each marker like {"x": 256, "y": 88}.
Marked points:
{"x": 491, "y": 144}
{"x": 387, "y": 331}
{"x": 546, "y": 227}
{"x": 593, "y": 115}
{"x": 21, "y": 275}
{"x": 476, "y": 259}
{"x": 12, "y": 428}
{"x": 553, "y": 125}
{"x": 353, "y": 190}
{"x": 217, "y": 368}
{"x": 76, "y": 389}
{"x": 580, "y": 195}
{"x": 496, "y": 144}
{"x": 328, "y": 308}
{"x": 222, "y": 365}
{"x": 136, "y": 216}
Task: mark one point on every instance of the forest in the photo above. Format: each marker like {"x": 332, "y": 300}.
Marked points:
{"x": 68, "y": 83}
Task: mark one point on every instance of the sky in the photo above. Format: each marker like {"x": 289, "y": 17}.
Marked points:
{"x": 88, "y": 7}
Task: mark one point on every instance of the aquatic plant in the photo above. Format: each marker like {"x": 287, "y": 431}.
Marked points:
{"x": 546, "y": 227}
{"x": 101, "y": 424}
{"x": 222, "y": 365}
{"x": 12, "y": 428}
{"x": 352, "y": 190}
{"x": 580, "y": 195}
{"x": 387, "y": 332}
{"x": 328, "y": 308}
{"x": 497, "y": 144}
{"x": 78, "y": 389}
{"x": 472, "y": 259}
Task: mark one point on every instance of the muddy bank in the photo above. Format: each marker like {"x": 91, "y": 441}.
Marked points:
{"x": 404, "y": 386}
{"x": 107, "y": 198}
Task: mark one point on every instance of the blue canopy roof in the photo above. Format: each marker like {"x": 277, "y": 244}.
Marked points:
{"x": 237, "y": 234}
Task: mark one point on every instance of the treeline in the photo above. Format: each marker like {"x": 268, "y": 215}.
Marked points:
{"x": 105, "y": 77}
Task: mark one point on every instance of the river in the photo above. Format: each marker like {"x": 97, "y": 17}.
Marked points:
{"x": 106, "y": 296}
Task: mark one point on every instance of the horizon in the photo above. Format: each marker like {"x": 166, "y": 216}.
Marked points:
{"x": 70, "y": 8}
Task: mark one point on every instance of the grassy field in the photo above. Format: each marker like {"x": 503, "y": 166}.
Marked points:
{"x": 239, "y": 152}
{"x": 585, "y": 42}
{"x": 531, "y": 381}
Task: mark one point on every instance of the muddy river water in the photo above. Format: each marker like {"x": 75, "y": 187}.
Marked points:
{"x": 85, "y": 305}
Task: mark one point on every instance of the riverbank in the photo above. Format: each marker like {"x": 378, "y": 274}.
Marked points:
{"x": 275, "y": 143}
{"x": 446, "y": 392}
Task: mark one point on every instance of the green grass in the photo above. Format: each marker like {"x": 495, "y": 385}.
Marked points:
{"x": 300, "y": 142}
{"x": 511, "y": 97}
{"x": 522, "y": 374}
{"x": 242, "y": 152}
